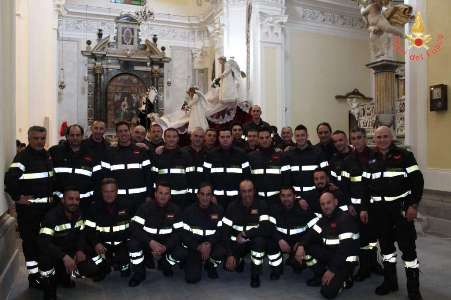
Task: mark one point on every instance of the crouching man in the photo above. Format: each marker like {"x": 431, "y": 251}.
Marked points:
{"x": 202, "y": 235}
{"x": 64, "y": 253}
{"x": 333, "y": 244}
{"x": 156, "y": 228}
{"x": 107, "y": 229}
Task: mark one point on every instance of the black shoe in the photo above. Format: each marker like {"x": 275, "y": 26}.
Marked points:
{"x": 99, "y": 277}
{"x": 49, "y": 288}
{"x": 136, "y": 279}
{"x": 165, "y": 267}
{"x": 349, "y": 283}
{"x": 390, "y": 283}
{"x": 255, "y": 281}
{"x": 125, "y": 273}
{"x": 34, "y": 281}
{"x": 240, "y": 267}
{"x": 413, "y": 284}
{"x": 67, "y": 284}
{"x": 275, "y": 275}
{"x": 314, "y": 281}
{"x": 212, "y": 273}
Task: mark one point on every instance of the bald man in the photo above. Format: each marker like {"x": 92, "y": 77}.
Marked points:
{"x": 256, "y": 123}
{"x": 395, "y": 186}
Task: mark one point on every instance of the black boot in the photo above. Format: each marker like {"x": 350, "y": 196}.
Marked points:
{"x": 276, "y": 272}
{"x": 125, "y": 271}
{"x": 212, "y": 271}
{"x": 375, "y": 266}
{"x": 413, "y": 283}
{"x": 255, "y": 276}
{"x": 139, "y": 274}
{"x": 49, "y": 287}
{"x": 318, "y": 271}
{"x": 240, "y": 267}
{"x": 390, "y": 283}
{"x": 34, "y": 281}
{"x": 364, "y": 268}
{"x": 165, "y": 267}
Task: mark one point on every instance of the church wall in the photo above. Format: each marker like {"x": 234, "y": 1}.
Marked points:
{"x": 321, "y": 66}
{"x": 7, "y": 93}
{"x": 439, "y": 72}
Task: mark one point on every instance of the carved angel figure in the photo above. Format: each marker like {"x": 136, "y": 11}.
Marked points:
{"x": 382, "y": 18}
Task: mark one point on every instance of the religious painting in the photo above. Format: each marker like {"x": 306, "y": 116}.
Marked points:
{"x": 123, "y": 99}
{"x": 127, "y": 36}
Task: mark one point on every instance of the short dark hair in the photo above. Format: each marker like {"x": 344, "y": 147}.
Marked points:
{"x": 236, "y": 124}
{"x": 36, "y": 129}
{"x": 107, "y": 181}
{"x": 359, "y": 130}
{"x": 211, "y": 129}
{"x": 156, "y": 125}
{"x": 205, "y": 184}
{"x": 324, "y": 124}
{"x": 318, "y": 170}
{"x": 327, "y": 191}
{"x": 73, "y": 126}
{"x": 222, "y": 129}
{"x": 265, "y": 129}
{"x": 121, "y": 123}
{"x": 339, "y": 132}
{"x": 163, "y": 184}
{"x": 171, "y": 129}
{"x": 288, "y": 187}
{"x": 252, "y": 130}
{"x": 301, "y": 127}
{"x": 70, "y": 188}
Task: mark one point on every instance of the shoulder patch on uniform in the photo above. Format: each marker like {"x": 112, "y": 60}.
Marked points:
{"x": 397, "y": 156}
{"x": 372, "y": 161}
{"x": 214, "y": 216}
{"x": 136, "y": 152}
{"x": 88, "y": 158}
{"x": 122, "y": 212}
{"x": 333, "y": 225}
{"x": 254, "y": 211}
{"x": 170, "y": 216}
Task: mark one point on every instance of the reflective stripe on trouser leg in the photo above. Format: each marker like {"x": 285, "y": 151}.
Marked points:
{"x": 171, "y": 260}
{"x": 257, "y": 257}
{"x": 413, "y": 264}
{"x": 48, "y": 273}
{"x": 275, "y": 260}
{"x": 32, "y": 267}
{"x": 310, "y": 261}
{"x": 136, "y": 258}
{"x": 391, "y": 258}
{"x": 215, "y": 263}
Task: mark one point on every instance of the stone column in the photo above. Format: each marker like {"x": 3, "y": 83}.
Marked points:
{"x": 267, "y": 65}
{"x": 385, "y": 90}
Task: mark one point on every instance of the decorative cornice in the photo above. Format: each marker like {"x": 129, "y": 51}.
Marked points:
{"x": 327, "y": 17}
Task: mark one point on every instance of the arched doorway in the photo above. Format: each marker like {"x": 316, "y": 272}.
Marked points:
{"x": 123, "y": 94}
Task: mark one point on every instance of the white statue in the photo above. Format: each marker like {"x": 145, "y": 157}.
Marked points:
{"x": 197, "y": 104}
{"x": 381, "y": 18}
{"x": 231, "y": 85}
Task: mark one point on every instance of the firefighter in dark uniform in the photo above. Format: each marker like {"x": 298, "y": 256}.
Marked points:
{"x": 342, "y": 150}
{"x": 96, "y": 144}
{"x": 303, "y": 160}
{"x": 356, "y": 192}
{"x": 309, "y": 200}
{"x": 247, "y": 228}
{"x": 171, "y": 166}
{"x": 251, "y": 140}
{"x": 73, "y": 165}
{"x": 238, "y": 136}
{"x": 325, "y": 145}
{"x": 395, "y": 185}
{"x": 29, "y": 183}
{"x": 202, "y": 235}
{"x": 225, "y": 167}
{"x": 197, "y": 154}
{"x": 107, "y": 229}
{"x": 156, "y": 228}
{"x": 131, "y": 167}
{"x": 266, "y": 168}
{"x": 290, "y": 223}
{"x": 332, "y": 246}
{"x": 63, "y": 251}
{"x": 256, "y": 122}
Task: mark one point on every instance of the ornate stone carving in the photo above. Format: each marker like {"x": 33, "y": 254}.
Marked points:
{"x": 272, "y": 27}
{"x": 326, "y": 17}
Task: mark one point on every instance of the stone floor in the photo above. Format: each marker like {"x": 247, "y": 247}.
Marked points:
{"x": 434, "y": 254}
